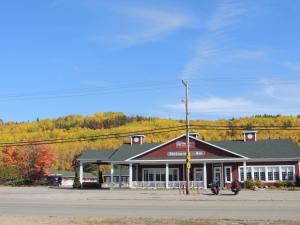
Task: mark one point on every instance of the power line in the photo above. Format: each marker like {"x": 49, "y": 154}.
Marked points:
{"x": 149, "y": 131}
{"x": 90, "y": 92}
{"x": 92, "y": 138}
{"x": 243, "y": 126}
{"x": 262, "y": 129}
{"x": 140, "y": 87}
{"x": 103, "y": 135}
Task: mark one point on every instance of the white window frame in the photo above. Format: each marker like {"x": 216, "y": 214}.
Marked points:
{"x": 171, "y": 172}
{"x": 162, "y": 171}
{"x": 259, "y": 170}
{"x": 225, "y": 174}
{"x": 266, "y": 172}
{"x": 153, "y": 171}
{"x": 198, "y": 168}
{"x": 240, "y": 174}
{"x": 287, "y": 171}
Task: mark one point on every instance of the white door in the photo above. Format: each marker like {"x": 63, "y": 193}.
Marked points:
{"x": 217, "y": 175}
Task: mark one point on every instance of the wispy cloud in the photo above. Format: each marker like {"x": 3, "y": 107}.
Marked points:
{"x": 204, "y": 50}
{"x": 248, "y": 55}
{"x": 157, "y": 24}
{"x": 293, "y": 66}
{"x": 231, "y": 107}
{"x": 226, "y": 15}
{"x": 215, "y": 41}
{"x": 216, "y": 105}
{"x": 282, "y": 90}
{"x": 268, "y": 87}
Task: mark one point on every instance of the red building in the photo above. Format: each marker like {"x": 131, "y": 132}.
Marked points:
{"x": 162, "y": 165}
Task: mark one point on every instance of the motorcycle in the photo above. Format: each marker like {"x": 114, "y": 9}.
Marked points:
{"x": 215, "y": 188}
{"x": 235, "y": 187}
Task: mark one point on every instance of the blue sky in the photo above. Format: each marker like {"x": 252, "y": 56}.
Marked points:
{"x": 60, "y": 57}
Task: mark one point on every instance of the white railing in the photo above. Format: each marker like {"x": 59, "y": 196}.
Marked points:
{"x": 197, "y": 184}
{"x": 155, "y": 184}
{"x": 148, "y": 184}
{"x": 115, "y": 185}
{"x": 162, "y": 184}
{"x": 176, "y": 184}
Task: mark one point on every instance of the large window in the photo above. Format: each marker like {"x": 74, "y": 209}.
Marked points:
{"x": 228, "y": 174}
{"x": 159, "y": 174}
{"x": 241, "y": 172}
{"x": 287, "y": 173}
{"x": 262, "y": 173}
{"x": 198, "y": 174}
{"x": 249, "y": 173}
{"x": 259, "y": 173}
{"x": 273, "y": 173}
{"x": 173, "y": 174}
{"x": 267, "y": 173}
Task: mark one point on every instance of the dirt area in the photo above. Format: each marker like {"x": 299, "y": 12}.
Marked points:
{"x": 42, "y": 205}
{"x": 128, "y": 221}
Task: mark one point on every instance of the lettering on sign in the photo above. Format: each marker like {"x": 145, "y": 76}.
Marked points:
{"x": 182, "y": 144}
{"x": 193, "y": 153}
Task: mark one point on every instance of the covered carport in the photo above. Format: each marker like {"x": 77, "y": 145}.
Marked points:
{"x": 97, "y": 157}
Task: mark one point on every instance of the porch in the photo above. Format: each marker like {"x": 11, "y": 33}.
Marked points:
{"x": 169, "y": 175}
{"x": 154, "y": 184}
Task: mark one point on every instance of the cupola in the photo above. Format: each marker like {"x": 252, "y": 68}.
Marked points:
{"x": 250, "y": 135}
{"x": 194, "y": 135}
{"x": 137, "y": 139}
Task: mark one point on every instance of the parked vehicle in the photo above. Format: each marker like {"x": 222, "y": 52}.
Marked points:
{"x": 54, "y": 180}
{"x": 215, "y": 188}
{"x": 235, "y": 187}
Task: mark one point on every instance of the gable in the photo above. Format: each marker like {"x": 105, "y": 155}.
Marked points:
{"x": 176, "y": 149}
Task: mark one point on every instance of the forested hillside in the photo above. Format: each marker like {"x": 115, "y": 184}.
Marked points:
{"x": 74, "y": 126}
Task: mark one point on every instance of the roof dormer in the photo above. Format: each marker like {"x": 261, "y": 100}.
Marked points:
{"x": 137, "y": 139}
{"x": 250, "y": 135}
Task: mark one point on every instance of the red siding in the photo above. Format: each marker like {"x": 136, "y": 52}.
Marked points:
{"x": 210, "y": 151}
{"x": 297, "y": 169}
{"x": 235, "y": 169}
{"x": 209, "y": 169}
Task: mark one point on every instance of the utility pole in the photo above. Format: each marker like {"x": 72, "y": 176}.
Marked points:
{"x": 187, "y": 127}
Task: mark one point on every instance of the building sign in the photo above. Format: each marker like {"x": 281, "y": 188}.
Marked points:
{"x": 182, "y": 144}
{"x": 193, "y": 153}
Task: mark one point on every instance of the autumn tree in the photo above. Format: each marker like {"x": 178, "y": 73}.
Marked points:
{"x": 104, "y": 123}
{"x": 14, "y": 160}
{"x": 31, "y": 161}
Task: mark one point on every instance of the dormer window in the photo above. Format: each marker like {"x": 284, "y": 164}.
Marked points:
{"x": 250, "y": 135}
{"x": 137, "y": 139}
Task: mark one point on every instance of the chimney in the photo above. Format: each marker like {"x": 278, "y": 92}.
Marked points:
{"x": 137, "y": 139}
{"x": 250, "y": 135}
{"x": 194, "y": 135}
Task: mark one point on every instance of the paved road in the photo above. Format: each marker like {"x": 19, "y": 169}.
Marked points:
{"x": 39, "y": 201}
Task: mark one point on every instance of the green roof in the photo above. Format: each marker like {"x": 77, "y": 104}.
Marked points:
{"x": 101, "y": 155}
{"x": 279, "y": 148}
{"x": 127, "y": 151}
